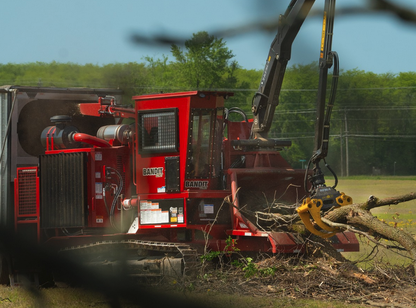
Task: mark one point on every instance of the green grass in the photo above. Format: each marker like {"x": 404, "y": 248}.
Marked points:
{"x": 378, "y": 177}
{"x": 360, "y": 188}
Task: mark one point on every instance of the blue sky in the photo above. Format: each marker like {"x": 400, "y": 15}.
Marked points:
{"x": 99, "y": 32}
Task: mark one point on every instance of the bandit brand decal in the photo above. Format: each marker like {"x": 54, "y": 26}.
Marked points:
{"x": 157, "y": 172}
{"x": 196, "y": 184}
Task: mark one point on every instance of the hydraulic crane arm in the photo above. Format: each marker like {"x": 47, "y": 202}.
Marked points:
{"x": 323, "y": 198}
{"x": 267, "y": 96}
{"x": 327, "y": 59}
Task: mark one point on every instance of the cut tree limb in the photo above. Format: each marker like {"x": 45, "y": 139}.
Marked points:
{"x": 358, "y": 218}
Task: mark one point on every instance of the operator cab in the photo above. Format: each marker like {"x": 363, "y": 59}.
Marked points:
{"x": 179, "y": 141}
{"x": 177, "y": 158}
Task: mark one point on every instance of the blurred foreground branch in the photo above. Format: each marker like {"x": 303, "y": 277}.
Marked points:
{"x": 403, "y": 13}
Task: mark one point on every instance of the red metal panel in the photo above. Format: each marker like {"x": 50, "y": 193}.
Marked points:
{"x": 116, "y": 158}
{"x": 164, "y": 95}
{"x": 345, "y": 242}
{"x": 151, "y": 183}
{"x": 181, "y": 94}
{"x": 283, "y": 242}
{"x": 98, "y": 160}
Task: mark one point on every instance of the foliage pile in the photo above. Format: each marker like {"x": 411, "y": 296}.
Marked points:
{"x": 303, "y": 278}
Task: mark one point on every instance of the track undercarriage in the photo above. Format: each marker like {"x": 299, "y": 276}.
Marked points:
{"x": 136, "y": 258}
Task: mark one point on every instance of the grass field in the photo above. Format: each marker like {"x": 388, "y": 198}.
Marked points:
{"x": 402, "y": 215}
{"x": 360, "y": 188}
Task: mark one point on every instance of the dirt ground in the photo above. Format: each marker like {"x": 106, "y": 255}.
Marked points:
{"x": 317, "y": 279}
{"x": 244, "y": 282}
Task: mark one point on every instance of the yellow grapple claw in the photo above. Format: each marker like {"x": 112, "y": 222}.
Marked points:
{"x": 312, "y": 208}
{"x": 310, "y": 213}
{"x": 343, "y": 199}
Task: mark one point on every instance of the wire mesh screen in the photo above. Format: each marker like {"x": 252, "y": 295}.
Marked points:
{"x": 158, "y": 131}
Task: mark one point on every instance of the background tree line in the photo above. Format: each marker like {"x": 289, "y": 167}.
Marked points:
{"x": 373, "y": 127}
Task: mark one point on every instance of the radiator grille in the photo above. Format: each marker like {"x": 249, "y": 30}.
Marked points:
{"x": 26, "y": 181}
{"x": 63, "y": 190}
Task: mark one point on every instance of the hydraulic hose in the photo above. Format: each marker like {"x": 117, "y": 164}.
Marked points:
{"x": 85, "y": 138}
{"x": 334, "y": 86}
{"x": 236, "y": 110}
{"x": 333, "y": 173}
{"x": 116, "y": 195}
{"x": 322, "y": 152}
